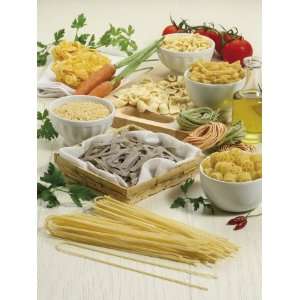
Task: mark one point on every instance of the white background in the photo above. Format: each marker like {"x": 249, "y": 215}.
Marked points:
{"x": 281, "y": 159}
{"x": 150, "y": 17}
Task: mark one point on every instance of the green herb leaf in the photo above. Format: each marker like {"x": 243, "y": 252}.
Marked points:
{"x": 48, "y": 196}
{"x": 201, "y": 201}
{"x": 79, "y": 22}
{"x": 76, "y": 200}
{"x": 53, "y": 176}
{"x": 118, "y": 37}
{"x": 42, "y": 57}
{"x": 178, "y": 202}
{"x": 196, "y": 202}
{"x": 130, "y": 30}
{"x": 82, "y": 192}
{"x": 91, "y": 42}
{"x": 41, "y": 45}
{"x": 82, "y": 38}
{"x": 188, "y": 183}
{"x": 46, "y": 130}
{"x": 39, "y": 116}
{"x": 57, "y": 183}
{"x": 58, "y": 35}
{"x": 40, "y": 189}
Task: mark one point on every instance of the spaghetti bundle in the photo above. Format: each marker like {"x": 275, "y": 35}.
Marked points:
{"x": 121, "y": 226}
{"x": 207, "y": 135}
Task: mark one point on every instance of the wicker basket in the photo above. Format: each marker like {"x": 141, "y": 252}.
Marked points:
{"x": 134, "y": 193}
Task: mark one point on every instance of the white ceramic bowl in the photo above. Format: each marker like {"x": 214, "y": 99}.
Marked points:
{"x": 232, "y": 196}
{"x": 211, "y": 95}
{"x": 75, "y": 132}
{"x": 178, "y": 62}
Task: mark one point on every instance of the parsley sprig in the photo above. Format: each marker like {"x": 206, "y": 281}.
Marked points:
{"x": 44, "y": 49}
{"x": 46, "y": 130}
{"x": 53, "y": 181}
{"x": 196, "y": 202}
{"x": 115, "y": 36}
{"x": 119, "y": 37}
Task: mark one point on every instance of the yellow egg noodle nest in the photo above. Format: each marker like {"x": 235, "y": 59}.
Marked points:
{"x": 82, "y": 111}
{"x": 74, "y": 63}
{"x": 167, "y": 96}
{"x": 234, "y": 165}
{"x": 185, "y": 43}
{"x": 216, "y": 72}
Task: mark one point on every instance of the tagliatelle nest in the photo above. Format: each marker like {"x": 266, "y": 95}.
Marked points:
{"x": 74, "y": 63}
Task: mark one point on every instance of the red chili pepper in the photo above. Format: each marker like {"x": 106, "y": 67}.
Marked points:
{"x": 240, "y": 225}
{"x": 236, "y": 220}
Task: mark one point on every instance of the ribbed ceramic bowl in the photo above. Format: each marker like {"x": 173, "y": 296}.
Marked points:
{"x": 232, "y": 196}
{"x": 211, "y": 95}
{"x": 75, "y": 132}
{"x": 178, "y": 62}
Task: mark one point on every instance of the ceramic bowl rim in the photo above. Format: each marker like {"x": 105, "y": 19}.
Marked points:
{"x": 258, "y": 180}
{"x": 77, "y": 98}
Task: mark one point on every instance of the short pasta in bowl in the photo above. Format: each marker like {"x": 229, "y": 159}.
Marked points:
{"x": 232, "y": 179}
{"x": 209, "y": 83}
{"x": 77, "y": 118}
{"x": 180, "y": 50}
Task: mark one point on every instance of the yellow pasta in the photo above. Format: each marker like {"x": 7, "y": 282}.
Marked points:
{"x": 216, "y": 72}
{"x": 121, "y": 226}
{"x": 167, "y": 96}
{"x": 73, "y": 62}
{"x": 229, "y": 176}
{"x": 185, "y": 43}
{"x": 234, "y": 165}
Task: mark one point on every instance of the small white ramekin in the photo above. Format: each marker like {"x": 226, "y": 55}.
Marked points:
{"x": 208, "y": 94}
{"x": 178, "y": 62}
{"x": 75, "y": 132}
{"x": 232, "y": 196}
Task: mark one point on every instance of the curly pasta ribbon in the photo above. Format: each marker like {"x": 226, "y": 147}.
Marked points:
{"x": 207, "y": 135}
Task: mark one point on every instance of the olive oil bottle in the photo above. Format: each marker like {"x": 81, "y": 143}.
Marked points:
{"x": 247, "y": 103}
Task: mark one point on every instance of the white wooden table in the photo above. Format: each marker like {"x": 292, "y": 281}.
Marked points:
{"x": 64, "y": 277}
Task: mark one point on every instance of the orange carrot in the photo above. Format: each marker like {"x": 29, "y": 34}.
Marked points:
{"x": 95, "y": 79}
{"x": 103, "y": 89}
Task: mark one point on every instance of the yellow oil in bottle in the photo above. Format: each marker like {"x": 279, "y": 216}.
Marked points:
{"x": 248, "y": 108}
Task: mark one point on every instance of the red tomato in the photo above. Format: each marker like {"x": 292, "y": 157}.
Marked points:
{"x": 214, "y": 35}
{"x": 170, "y": 29}
{"x": 236, "y": 50}
{"x": 227, "y": 37}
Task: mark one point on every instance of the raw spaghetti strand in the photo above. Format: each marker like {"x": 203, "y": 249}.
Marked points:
{"x": 207, "y": 135}
{"x": 121, "y": 226}
{"x": 152, "y": 263}
{"x": 74, "y": 253}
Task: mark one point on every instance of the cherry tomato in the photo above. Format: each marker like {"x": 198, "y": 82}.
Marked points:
{"x": 236, "y": 50}
{"x": 227, "y": 37}
{"x": 170, "y": 29}
{"x": 214, "y": 35}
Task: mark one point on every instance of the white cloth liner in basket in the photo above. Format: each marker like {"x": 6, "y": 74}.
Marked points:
{"x": 151, "y": 168}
